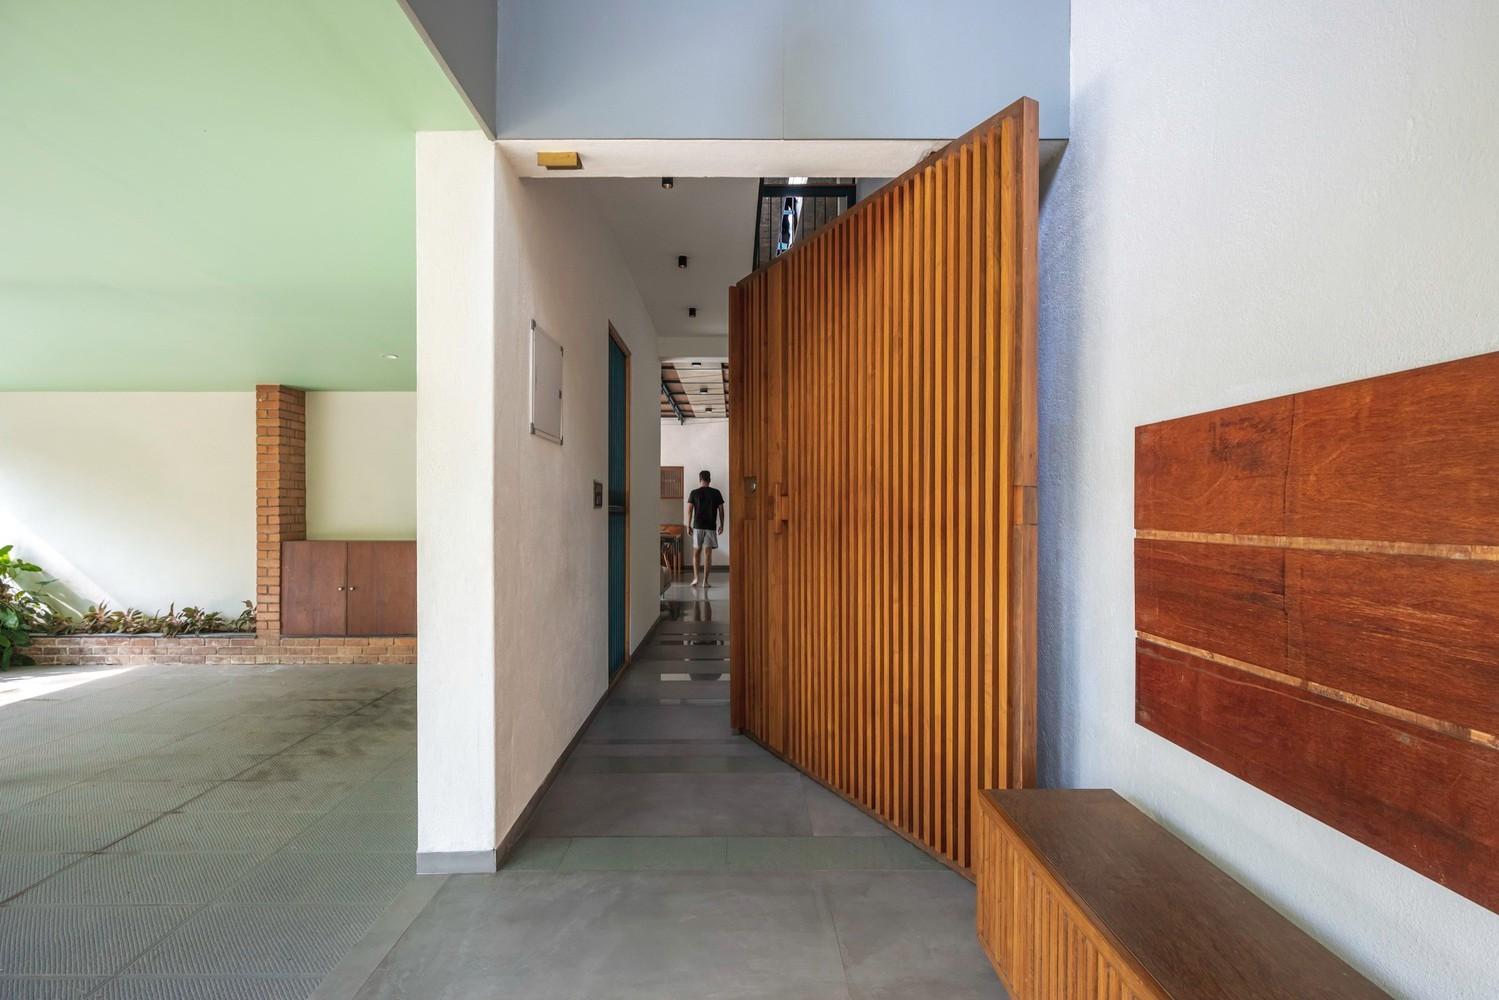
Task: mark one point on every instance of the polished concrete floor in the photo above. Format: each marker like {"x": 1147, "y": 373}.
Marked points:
{"x": 675, "y": 859}
{"x": 199, "y": 832}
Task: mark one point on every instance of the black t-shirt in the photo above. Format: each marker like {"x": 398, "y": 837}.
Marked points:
{"x": 705, "y": 501}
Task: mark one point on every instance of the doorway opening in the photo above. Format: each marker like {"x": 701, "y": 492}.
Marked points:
{"x": 619, "y": 502}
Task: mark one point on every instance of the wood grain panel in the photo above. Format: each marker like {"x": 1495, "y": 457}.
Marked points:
{"x": 1317, "y": 604}
{"x": 382, "y": 588}
{"x": 1410, "y": 457}
{"x": 1411, "y": 631}
{"x": 313, "y": 581}
{"x": 883, "y": 475}
{"x": 1223, "y": 471}
{"x": 1083, "y": 897}
{"x": 1422, "y": 798}
{"x": 1228, "y": 598}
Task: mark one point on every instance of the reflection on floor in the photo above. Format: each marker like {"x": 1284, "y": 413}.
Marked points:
{"x": 675, "y": 859}
{"x": 200, "y": 831}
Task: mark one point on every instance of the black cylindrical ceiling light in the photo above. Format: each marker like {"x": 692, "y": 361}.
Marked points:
{"x": 682, "y": 260}
{"x": 692, "y": 310}
{"x": 667, "y": 183}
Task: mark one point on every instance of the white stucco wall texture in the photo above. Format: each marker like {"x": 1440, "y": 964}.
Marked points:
{"x": 1256, "y": 199}
{"x": 511, "y": 668}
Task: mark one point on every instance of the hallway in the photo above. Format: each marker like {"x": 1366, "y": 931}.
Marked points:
{"x": 673, "y": 858}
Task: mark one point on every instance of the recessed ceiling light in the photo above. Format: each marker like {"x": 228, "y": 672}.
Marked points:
{"x": 702, "y": 390}
{"x": 391, "y": 357}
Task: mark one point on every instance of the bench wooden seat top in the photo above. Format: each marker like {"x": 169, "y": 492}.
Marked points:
{"x": 1179, "y": 926}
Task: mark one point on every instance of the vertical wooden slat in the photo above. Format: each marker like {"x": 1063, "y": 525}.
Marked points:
{"x": 884, "y": 380}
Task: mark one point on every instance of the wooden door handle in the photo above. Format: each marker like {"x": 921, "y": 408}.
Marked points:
{"x": 780, "y": 510}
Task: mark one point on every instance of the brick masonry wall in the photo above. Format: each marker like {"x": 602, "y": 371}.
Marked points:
{"x": 50, "y": 650}
{"x": 280, "y": 493}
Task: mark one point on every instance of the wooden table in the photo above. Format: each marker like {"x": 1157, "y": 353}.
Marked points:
{"x": 1082, "y": 896}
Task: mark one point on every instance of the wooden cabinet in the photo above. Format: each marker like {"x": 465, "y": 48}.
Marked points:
{"x": 348, "y": 588}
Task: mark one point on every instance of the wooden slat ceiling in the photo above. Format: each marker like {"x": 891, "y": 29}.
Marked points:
{"x": 700, "y": 387}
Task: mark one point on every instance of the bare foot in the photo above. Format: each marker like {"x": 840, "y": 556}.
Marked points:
{"x": 694, "y": 581}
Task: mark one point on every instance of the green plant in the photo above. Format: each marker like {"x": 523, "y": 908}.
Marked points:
{"x": 102, "y": 619}
{"x": 21, "y": 611}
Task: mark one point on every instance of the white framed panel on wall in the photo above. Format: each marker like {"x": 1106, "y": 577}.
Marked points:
{"x": 546, "y": 386}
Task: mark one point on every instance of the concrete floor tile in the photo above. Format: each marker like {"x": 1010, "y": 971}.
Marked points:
{"x": 673, "y": 805}
{"x": 834, "y": 816}
{"x": 206, "y": 832}
{"x": 350, "y": 879}
{"x": 909, "y": 934}
{"x": 80, "y": 940}
{"x": 62, "y": 833}
{"x": 108, "y": 796}
{"x": 807, "y": 853}
{"x": 46, "y": 988}
{"x": 300, "y": 940}
{"x": 637, "y": 935}
{"x": 648, "y": 723}
{"x": 537, "y": 854}
{"x": 207, "y": 988}
{"x": 631, "y": 854}
{"x": 140, "y": 879}
{"x": 272, "y": 797}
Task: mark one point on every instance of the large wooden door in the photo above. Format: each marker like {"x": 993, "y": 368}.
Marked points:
{"x": 883, "y": 491}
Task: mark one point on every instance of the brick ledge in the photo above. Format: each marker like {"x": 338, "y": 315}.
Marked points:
{"x": 133, "y": 650}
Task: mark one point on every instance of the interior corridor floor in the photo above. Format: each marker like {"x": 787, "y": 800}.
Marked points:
{"x": 675, "y": 859}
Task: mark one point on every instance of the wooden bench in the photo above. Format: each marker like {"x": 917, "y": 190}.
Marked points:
{"x": 1083, "y": 896}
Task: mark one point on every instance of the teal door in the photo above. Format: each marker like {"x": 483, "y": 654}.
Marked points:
{"x": 619, "y": 422}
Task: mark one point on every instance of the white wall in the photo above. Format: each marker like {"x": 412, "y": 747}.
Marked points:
{"x": 773, "y": 69}
{"x": 140, "y": 499}
{"x": 457, "y": 779}
{"x": 361, "y": 465}
{"x": 698, "y": 445}
{"x": 1256, "y": 199}
{"x": 538, "y": 250}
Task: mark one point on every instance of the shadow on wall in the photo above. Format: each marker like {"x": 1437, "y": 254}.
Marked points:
{"x": 1067, "y": 255}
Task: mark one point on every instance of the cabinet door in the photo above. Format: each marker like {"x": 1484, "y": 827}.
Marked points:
{"x": 312, "y": 588}
{"x": 382, "y": 588}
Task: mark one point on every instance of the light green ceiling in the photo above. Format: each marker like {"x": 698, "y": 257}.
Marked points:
{"x": 207, "y": 194}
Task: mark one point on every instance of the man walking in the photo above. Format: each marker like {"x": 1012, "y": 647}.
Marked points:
{"x": 705, "y": 511}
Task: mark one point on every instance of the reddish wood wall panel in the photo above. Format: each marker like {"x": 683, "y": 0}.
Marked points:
{"x": 882, "y": 466}
{"x": 1424, "y": 799}
{"x": 1317, "y": 606}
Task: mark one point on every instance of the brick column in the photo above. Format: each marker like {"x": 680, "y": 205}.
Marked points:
{"x": 280, "y": 493}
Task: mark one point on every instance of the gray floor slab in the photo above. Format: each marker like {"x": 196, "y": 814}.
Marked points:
{"x": 832, "y": 815}
{"x": 141, "y": 879}
{"x": 80, "y": 940}
{"x": 602, "y": 934}
{"x": 207, "y": 988}
{"x": 648, "y": 723}
{"x": 296, "y": 940}
{"x": 673, "y": 805}
{"x": 908, "y": 934}
{"x": 47, "y": 988}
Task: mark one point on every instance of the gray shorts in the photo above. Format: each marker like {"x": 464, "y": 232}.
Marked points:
{"x": 704, "y": 538}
